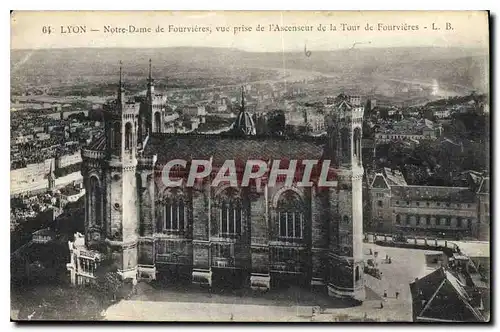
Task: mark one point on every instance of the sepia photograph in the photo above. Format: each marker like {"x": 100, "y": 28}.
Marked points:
{"x": 250, "y": 166}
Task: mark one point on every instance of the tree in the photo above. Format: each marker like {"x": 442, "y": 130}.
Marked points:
{"x": 367, "y": 130}
{"x": 383, "y": 113}
{"x": 276, "y": 122}
{"x": 108, "y": 281}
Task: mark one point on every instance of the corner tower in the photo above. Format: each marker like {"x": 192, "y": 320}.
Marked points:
{"x": 345, "y": 258}
{"x": 155, "y": 108}
{"x": 121, "y": 122}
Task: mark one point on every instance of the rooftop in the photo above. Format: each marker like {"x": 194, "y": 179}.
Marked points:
{"x": 429, "y": 305}
{"x": 452, "y": 194}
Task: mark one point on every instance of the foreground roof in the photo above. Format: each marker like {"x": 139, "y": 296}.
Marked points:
{"x": 440, "y": 295}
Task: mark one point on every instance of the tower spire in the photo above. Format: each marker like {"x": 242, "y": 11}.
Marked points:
{"x": 150, "y": 78}
{"x": 151, "y": 89}
{"x": 242, "y": 99}
{"x": 120, "y": 86}
{"x": 121, "y": 90}
{"x": 120, "y": 82}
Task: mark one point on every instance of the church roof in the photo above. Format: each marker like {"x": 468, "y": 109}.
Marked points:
{"x": 222, "y": 148}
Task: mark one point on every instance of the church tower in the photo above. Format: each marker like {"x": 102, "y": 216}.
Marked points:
{"x": 153, "y": 122}
{"x": 119, "y": 182}
{"x": 345, "y": 263}
{"x": 155, "y": 108}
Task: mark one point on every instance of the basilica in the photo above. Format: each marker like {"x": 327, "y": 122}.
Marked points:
{"x": 253, "y": 236}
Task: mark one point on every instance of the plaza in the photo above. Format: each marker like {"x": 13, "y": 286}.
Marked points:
{"x": 179, "y": 303}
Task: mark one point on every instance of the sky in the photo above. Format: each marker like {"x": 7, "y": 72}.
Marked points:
{"x": 468, "y": 29}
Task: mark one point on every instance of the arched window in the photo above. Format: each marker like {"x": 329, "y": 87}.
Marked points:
{"x": 345, "y": 219}
{"x": 157, "y": 122}
{"x": 128, "y": 136}
{"x": 357, "y": 275}
{"x": 95, "y": 201}
{"x": 410, "y": 220}
{"x": 174, "y": 214}
{"x": 117, "y": 135}
{"x": 290, "y": 211}
{"x": 345, "y": 143}
{"x": 357, "y": 144}
{"x": 230, "y": 213}
{"x": 398, "y": 219}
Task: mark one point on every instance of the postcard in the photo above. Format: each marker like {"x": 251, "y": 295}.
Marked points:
{"x": 250, "y": 166}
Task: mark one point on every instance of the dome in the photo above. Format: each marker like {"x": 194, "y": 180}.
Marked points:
{"x": 244, "y": 123}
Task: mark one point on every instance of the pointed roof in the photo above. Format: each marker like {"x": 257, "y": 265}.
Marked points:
{"x": 432, "y": 291}
{"x": 394, "y": 177}
{"x": 150, "y": 75}
{"x": 119, "y": 98}
{"x": 120, "y": 84}
{"x": 379, "y": 182}
{"x": 484, "y": 187}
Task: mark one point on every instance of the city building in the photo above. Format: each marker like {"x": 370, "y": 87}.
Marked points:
{"x": 256, "y": 235}
{"x": 195, "y": 112}
{"x": 305, "y": 119}
{"x": 71, "y": 193}
{"x": 397, "y": 207}
{"x": 409, "y": 129}
{"x": 442, "y": 113}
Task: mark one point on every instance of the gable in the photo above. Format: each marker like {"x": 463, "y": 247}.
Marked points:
{"x": 448, "y": 304}
{"x": 379, "y": 182}
{"x": 485, "y": 186}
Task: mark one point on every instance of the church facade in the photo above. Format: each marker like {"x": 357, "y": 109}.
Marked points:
{"x": 257, "y": 234}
